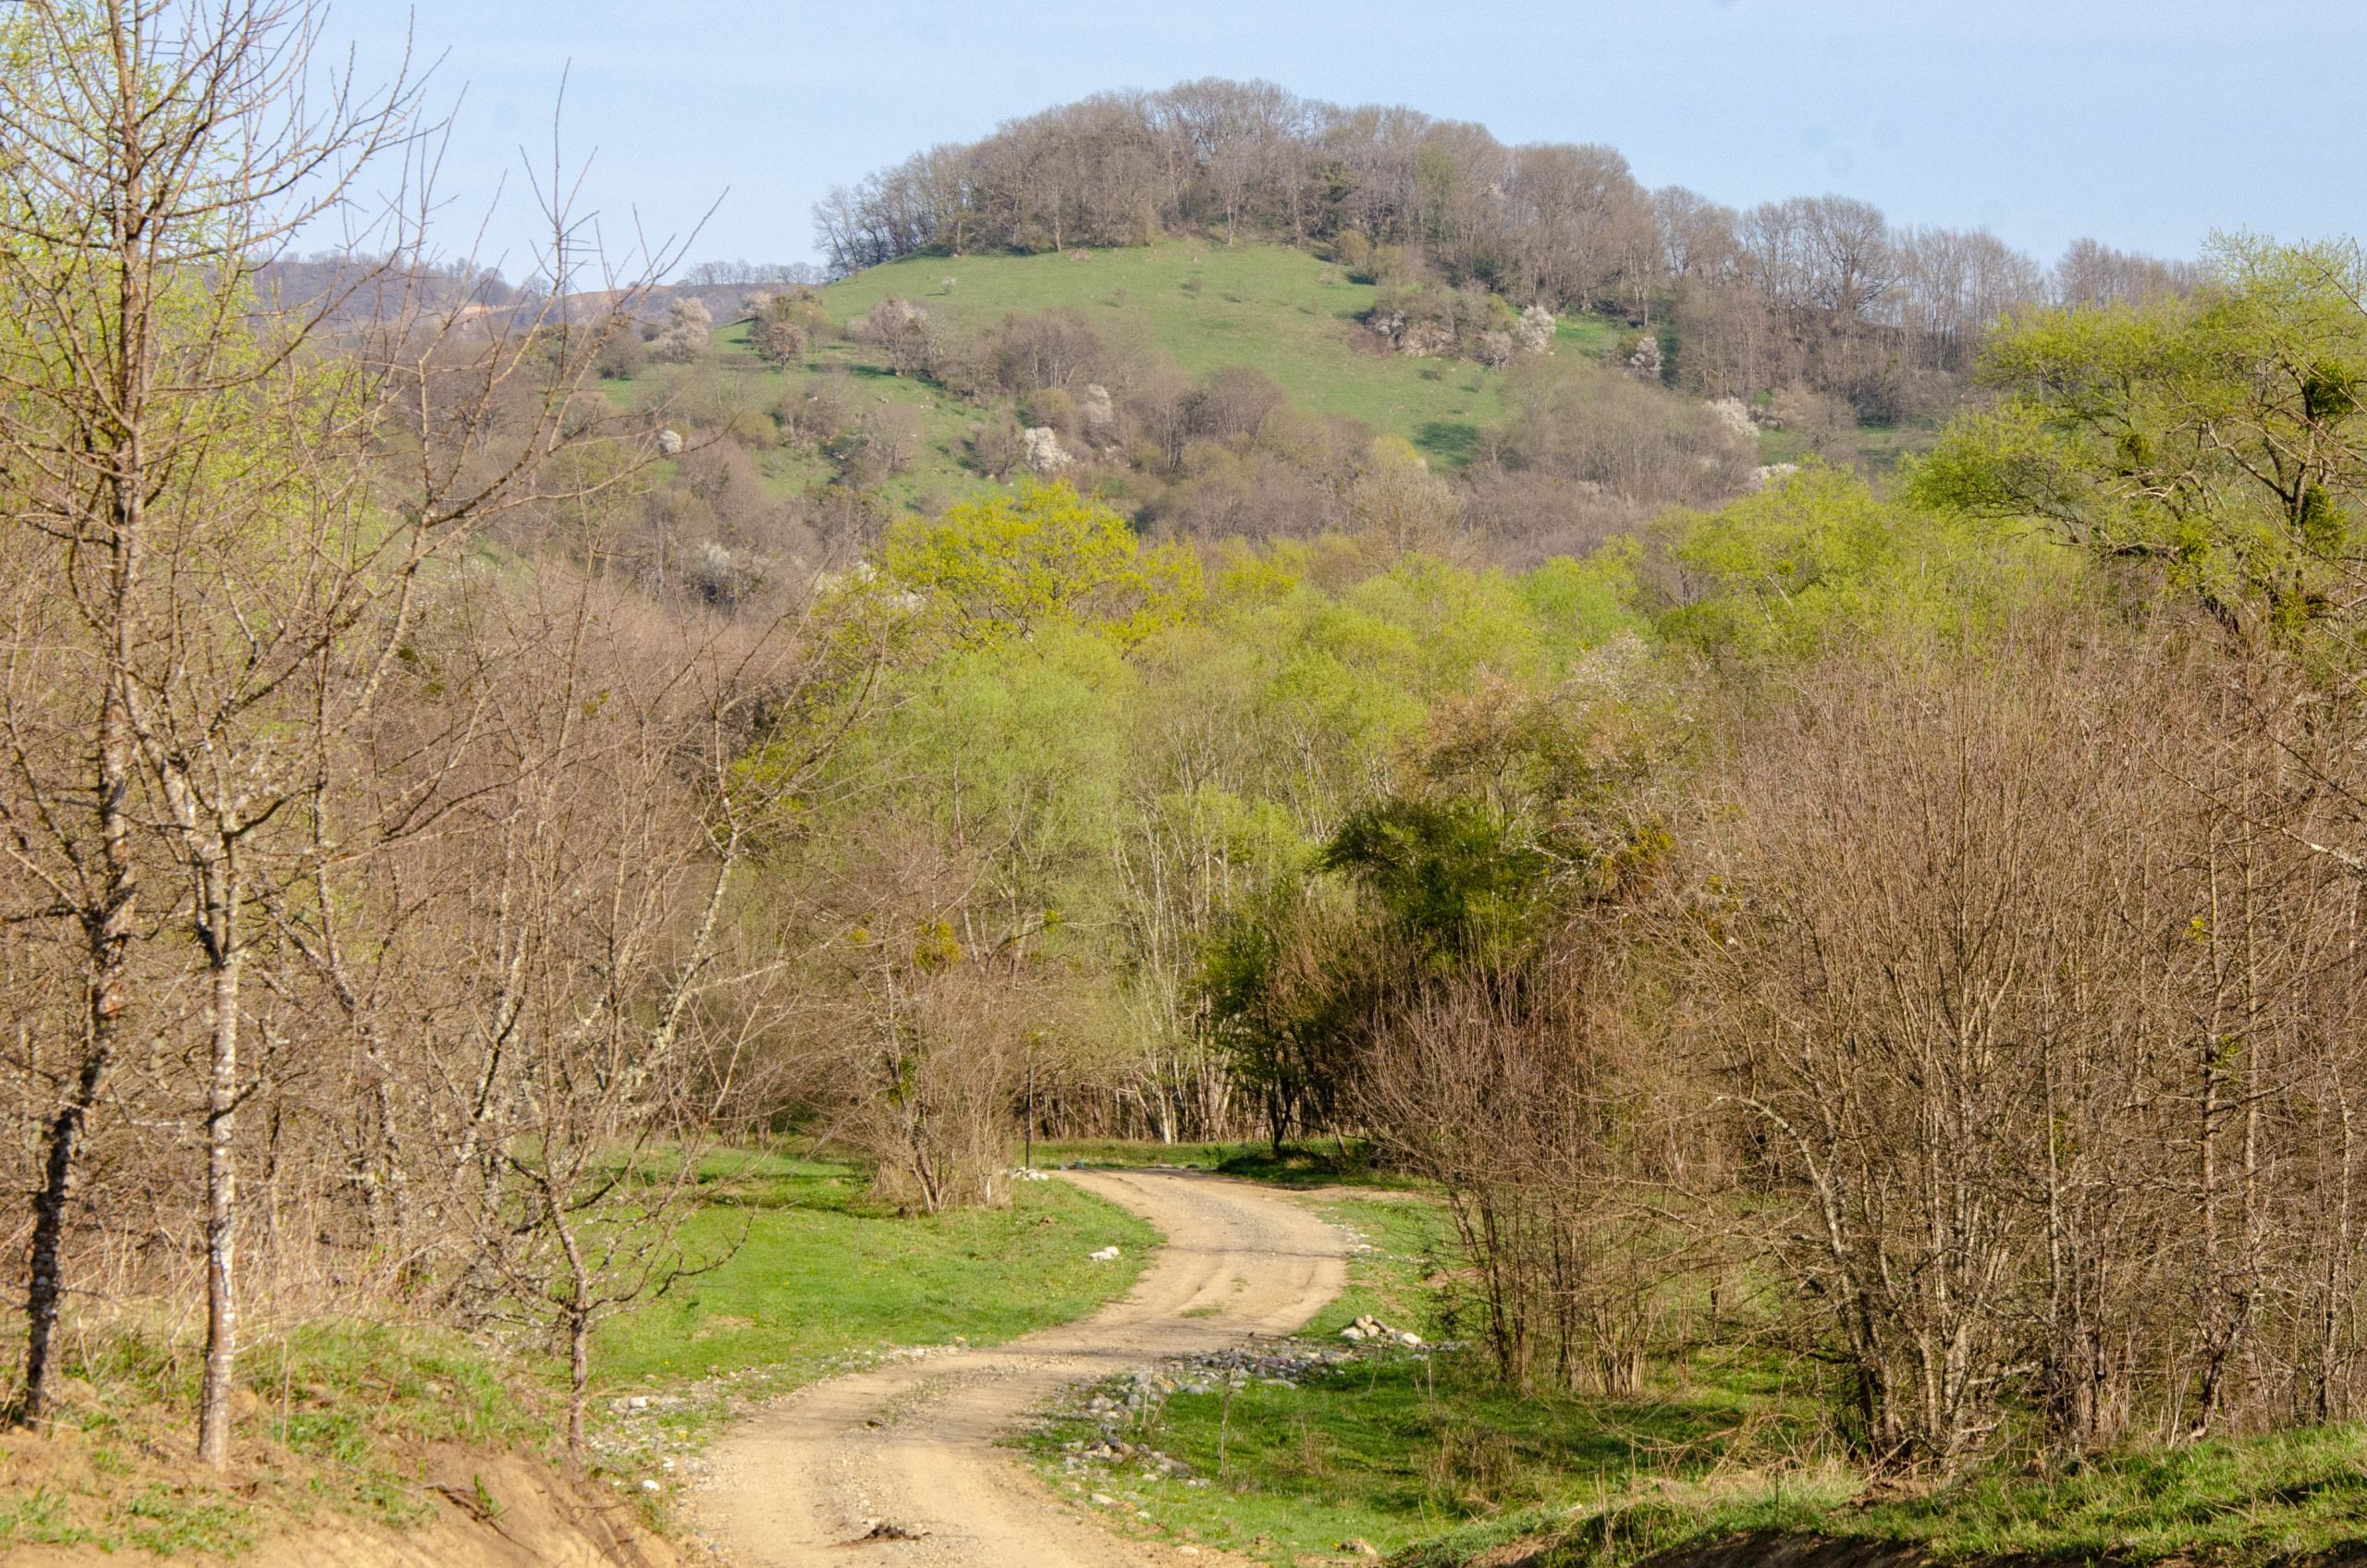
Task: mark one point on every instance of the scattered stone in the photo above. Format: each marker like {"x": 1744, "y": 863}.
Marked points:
{"x": 1106, "y": 1255}
{"x": 651, "y": 1487}
{"x": 1094, "y": 408}
{"x": 1425, "y": 338}
{"x": 886, "y": 1530}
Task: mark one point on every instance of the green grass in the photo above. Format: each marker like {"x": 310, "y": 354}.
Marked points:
{"x": 1434, "y": 1464}
{"x": 737, "y": 379}
{"x": 1264, "y": 306}
{"x": 1397, "y": 1449}
{"x": 340, "y": 1416}
{"x": 1876, "y": 448}
{"x": 2239, "y": 1500}
{"x": 1407, "y": 1249}
{"x": 330, "y": 1417}
{"x": 825, "y": 1271}
{"x": 2246, "y": 1502}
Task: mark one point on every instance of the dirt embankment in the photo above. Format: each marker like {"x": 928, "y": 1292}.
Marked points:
{"x": 492, "y": 1511}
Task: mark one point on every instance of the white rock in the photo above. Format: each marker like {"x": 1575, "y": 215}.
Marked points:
{"x": 651, "y": 1487}
{"x": 1425, "y": 338}
{"x": 1106, "y": 1255}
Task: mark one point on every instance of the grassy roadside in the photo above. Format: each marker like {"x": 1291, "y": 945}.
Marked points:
{"x": 1391, "y": 1447}
{"x": 1420, "y": 1457}
{"x": 2246, "y": 1502}
{"x": 826, "y": 1271}
{"x": 356, "y": 1419}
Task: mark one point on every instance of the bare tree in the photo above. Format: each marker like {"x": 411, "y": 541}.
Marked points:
{"x": 205, "y": 477}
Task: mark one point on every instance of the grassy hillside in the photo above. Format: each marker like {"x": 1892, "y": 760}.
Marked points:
{"x": 1282, "y": 310}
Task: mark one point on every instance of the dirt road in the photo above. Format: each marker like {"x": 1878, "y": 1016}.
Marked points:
{"x": 914, "y": 1443}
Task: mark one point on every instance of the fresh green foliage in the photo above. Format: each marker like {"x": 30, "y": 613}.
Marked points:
{"x": 1819, "y": 556}
{"x": 1007, "y": 565}
{"x": 2219, "y": 436}
{"x": 1454, "y": 877}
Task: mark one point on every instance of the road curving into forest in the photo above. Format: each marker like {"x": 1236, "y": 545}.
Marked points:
{"x": 914, "y": 1444}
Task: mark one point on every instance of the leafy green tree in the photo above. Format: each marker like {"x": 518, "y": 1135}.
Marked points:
{"x": 1818, "y": 554}
{"x": 1454, "y": 878}
{"x": 2218, "y": 434}
{"x": 1008, "y": 564}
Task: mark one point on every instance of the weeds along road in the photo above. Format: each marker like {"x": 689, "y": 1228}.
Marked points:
{"x": 914, "y": 1444}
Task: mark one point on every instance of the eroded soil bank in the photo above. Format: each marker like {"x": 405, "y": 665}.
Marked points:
{"x": 490, "y": 1510}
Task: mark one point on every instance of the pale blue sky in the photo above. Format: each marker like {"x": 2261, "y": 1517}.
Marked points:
{"x": 2146, "y": 125}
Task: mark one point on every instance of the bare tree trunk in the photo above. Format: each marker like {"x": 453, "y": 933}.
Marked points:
{"x": 579, "y": 1372}
{"x": 107, "y": 929}
{"x": 221, "y": 1173}
{"x": 577, "y": 1317}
